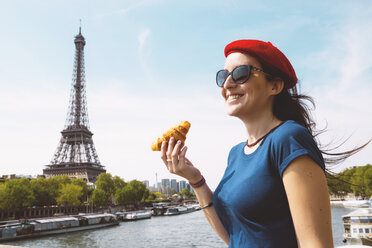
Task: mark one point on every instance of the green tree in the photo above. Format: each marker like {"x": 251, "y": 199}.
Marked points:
{"x": 368, "y": 180}
{"x": 54, "y": 185}
{"x": 358, "y": 179}
{"x": 339, "y": 185}
{"x": 70, "y": 195}
{"x": 134, "y": 192}
{"x": 186, "y": 193}
{"x": 151, "y": 197}
{"x": 42, "y": 192}
{"x": 139, "y": 189}
{"x": 118, "y": 183}
{"x": 105, "y": 182}
{"x": 2, "y": 196}
{"x": 84, "y": 188}
{"x": 125, "y": 195}
{"x": 100, "y": 198}
{"x": 158, "y": 195}
{"x": 146, "y": 194}
{"x": 17, "y": 193}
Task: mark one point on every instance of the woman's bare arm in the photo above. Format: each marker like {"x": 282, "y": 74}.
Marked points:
{"x": 175, "y": 159}
{"x": 307, "y": 192}
{"x": 205, "y": 195}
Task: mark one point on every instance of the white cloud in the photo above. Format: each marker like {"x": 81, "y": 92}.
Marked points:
{"x": 142, "y": 55}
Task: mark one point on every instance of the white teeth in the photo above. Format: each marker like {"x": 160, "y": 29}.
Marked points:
{"x": 231, "y": 97}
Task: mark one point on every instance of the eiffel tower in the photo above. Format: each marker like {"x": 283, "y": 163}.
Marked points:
{"x": 76, "y": 156}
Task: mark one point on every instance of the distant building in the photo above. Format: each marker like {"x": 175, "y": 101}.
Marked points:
{"x": 11, "y": 176}
{"x": 165, "y": 183}
{"x": 173, "y": 185}
{"x": 165, "y": 187}
{"x": 188, "y": 186}
{"x": 14, "y": 176}
{"x": 182, "y": 185}
{"x": 147, "y": 183}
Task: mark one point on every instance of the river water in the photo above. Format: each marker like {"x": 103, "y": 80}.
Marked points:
{"x": 181, "y": 231}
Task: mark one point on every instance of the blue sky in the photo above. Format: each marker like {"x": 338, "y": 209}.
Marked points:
{"x": 151, "y": 64}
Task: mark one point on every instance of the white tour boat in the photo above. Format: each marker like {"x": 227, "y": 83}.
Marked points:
{"x": 358, "y": 227}
{"x": 137, "y": 215}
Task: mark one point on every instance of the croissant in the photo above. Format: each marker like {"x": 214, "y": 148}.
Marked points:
{"x": 178, "y": 132}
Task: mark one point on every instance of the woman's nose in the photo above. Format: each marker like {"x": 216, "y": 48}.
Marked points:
{"x": 229, "y": 82}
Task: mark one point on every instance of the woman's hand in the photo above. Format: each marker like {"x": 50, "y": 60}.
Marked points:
{"x": 174, "y": 158}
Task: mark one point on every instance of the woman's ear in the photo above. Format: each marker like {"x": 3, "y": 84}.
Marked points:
{"x": 277, "y": 85}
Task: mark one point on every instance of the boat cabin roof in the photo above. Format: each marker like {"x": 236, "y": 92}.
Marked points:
{"x": 97, "y": 216}
{"x": 54, "y": 220}
{"x": 362, "y": 212}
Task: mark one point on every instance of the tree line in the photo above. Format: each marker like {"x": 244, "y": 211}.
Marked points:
{"x": 356, "y": 180}
{"x": 19, "y": 193}
{"x": 108, "y": 190}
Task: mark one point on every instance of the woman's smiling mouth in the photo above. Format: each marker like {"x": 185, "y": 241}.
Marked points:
{"x": 233, "y": 97}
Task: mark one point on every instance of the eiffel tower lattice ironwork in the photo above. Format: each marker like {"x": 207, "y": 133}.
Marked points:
{"x": 76, "y": 155}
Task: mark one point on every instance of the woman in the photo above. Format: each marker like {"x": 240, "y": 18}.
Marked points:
{"x": 274, "y": 191}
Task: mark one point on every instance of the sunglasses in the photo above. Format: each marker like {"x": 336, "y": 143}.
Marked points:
{"x": 239, "y": 75}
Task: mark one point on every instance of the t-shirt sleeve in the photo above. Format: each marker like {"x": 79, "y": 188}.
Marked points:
{"x": 291, "y": 142}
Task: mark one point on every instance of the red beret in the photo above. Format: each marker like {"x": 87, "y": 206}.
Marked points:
{"x": 266, "y": 53}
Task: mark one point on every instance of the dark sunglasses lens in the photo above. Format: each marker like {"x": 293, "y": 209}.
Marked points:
{"x": 221, "y": 77}
{"x": 241, "y": 74}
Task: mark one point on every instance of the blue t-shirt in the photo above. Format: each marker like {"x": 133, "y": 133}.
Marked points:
{"x": 251, "y": 200}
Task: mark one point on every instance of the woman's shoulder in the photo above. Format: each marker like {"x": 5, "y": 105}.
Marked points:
{"x": 290, "y": 129}
{"x": 290, "y": 141}
{"x": 290, "y": 132}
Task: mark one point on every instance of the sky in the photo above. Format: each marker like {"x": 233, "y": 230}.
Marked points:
{"x": 151, "y": 64}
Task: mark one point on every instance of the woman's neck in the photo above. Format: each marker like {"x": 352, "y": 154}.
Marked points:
{"x": 260, "y": 125}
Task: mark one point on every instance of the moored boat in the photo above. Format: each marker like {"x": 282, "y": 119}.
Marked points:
{"x": 180, "y": 210}
{"x": 358, "y": 227}
{"x": 171, "y": 211}
{"x": 137, "y": 215}
{"x": 356, "y": 203}
{"x": 56, "y": 225}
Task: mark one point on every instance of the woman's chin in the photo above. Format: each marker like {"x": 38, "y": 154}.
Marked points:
{"x": 232, "y": 112}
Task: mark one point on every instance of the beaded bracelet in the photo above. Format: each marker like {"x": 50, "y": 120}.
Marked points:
{"x": 198, "y": 184}
{"x": 207, "y": 206}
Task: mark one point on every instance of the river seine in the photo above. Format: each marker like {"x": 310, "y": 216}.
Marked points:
{"x": 181, "y": 231}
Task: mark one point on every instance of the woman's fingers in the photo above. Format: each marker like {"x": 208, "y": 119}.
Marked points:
{"x": 170, "y": 148}
{"x": 176, "y": 157}
{"x": 183, "y": 153}
{"x": 163, "y": 152}
{"x": 176, "y": 151}
{"x": 173, "y": 155}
